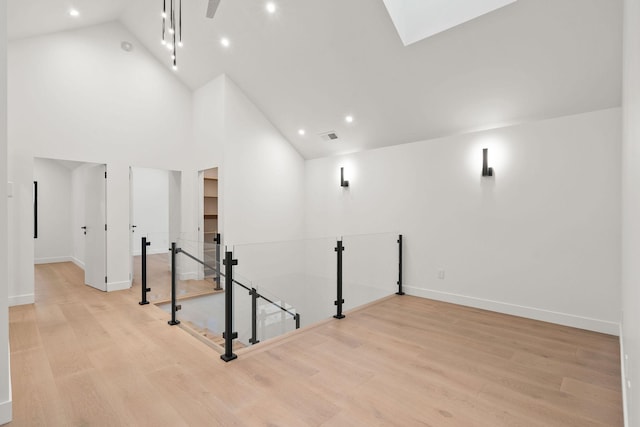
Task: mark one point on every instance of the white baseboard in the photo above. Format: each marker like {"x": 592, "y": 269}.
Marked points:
{"x": 52, "y": 260}
{"x": 77, "y": 262}
{"x": 21, "y": 299}
{"x": 118, "y": 286}
{"x": 596, "y": 325}
{"x": 623, "y": 378}
{"x": 6, "y": 408}
{"x": 6, "y": 412}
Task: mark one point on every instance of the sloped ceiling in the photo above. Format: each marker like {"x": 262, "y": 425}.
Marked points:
{"x": 313, "y": 62}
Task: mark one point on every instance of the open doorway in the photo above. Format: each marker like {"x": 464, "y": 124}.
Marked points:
{"x": 208, "y": 226}
{"x": 155, "y": 213}
{"x": 71, "y": 216}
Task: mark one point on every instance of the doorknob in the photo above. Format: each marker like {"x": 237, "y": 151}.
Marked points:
{"x": 85, "y": 229}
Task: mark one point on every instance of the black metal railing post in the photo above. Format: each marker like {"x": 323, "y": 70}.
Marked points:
{"x": 144, "y": 288}
{"x": 228, "y": 334}
{"x": 254, "y": 316}
{"x": 339, "y": 301}
{"x": 400, "y": 291}
{"x": 174, "y": 307}
{"x": 216, "y": 239}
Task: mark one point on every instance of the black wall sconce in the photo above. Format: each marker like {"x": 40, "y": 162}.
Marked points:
{"x": 486, "y": 170}
{"x": 343, "y": 183}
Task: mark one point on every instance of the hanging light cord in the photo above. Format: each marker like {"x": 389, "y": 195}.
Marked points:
{"x": 174, "y": 23}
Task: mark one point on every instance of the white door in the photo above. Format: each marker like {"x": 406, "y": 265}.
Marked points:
{"x": 132, "y": 226}
{"x": 95, "y": 270}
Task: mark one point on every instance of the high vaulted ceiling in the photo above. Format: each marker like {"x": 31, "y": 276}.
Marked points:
{"x": 314, "y": 62}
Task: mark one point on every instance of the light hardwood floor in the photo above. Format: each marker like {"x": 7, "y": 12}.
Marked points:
{"x": 81, "y": 357}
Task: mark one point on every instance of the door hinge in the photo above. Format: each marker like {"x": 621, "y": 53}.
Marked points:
{"x": 105, "y": 279}
{"x": 105, "y": 227}
{"x": 105, "y": 175}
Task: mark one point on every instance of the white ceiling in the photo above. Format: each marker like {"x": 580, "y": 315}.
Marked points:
{"x": 314, "y": 62}
{"x": 28, "y": 18}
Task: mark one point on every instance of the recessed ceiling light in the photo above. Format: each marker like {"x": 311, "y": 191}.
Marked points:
{"x": 349, "y": 119}
{"x": 163, "y": 41}
{"x": 126, "y": 46}
{"x": 225, "y": 42}
{"x": 301, "y": 132}
{"x": 175, "y": 67}
{"x": 180, "y": 44}
{"x": 271, "y": 7}
{"x": 74, "y": 13}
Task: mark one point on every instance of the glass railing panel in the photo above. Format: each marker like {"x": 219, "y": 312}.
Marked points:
{"x": 274, "y": 315}
{"x": 319, "y": 280}
{"x": 203, "y": 315}
{"x": 370, "y": 268}
{"x": 291, "y": 278}
{"x": 242, "y": 309}
{"x": 299, "y": 273}
{"x": 197, "y": 267}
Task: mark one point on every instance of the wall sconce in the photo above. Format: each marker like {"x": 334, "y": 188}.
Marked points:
{"x": 343, "y": 183}
{"x": 486, "y": 170}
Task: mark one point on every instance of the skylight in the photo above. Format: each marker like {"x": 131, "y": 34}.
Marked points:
{"x": 418, "y": 19}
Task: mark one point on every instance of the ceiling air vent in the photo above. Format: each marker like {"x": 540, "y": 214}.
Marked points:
{"x": 329, "y": 136}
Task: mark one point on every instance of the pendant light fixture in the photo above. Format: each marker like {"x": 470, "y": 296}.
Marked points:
{"x": 172, "y": 28}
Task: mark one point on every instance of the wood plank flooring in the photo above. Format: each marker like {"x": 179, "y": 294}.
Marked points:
{"x": 81, "y": 357}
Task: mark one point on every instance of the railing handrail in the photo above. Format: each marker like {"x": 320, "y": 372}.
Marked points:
{"x": 275, "y": 304}
{"x": 250, "y": 290}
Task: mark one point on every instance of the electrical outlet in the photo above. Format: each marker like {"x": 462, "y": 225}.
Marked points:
{"x": 441, "y": 274}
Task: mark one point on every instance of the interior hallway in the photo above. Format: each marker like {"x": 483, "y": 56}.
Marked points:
{"x": 84, "y": 357}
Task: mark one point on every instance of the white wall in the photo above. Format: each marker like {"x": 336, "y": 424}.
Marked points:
{"x": 262, "y": 176}
{"x": 77, "y": 95}
{"x": 5, "y": 373}
{"x": 151, "y": 209}
{"x": 541, "y": 239}
{"x": 209, "y": 123}
{"x": 54, "y": 242}
{"x": 208, "y": 135}
{"x": 631, "y": 210}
